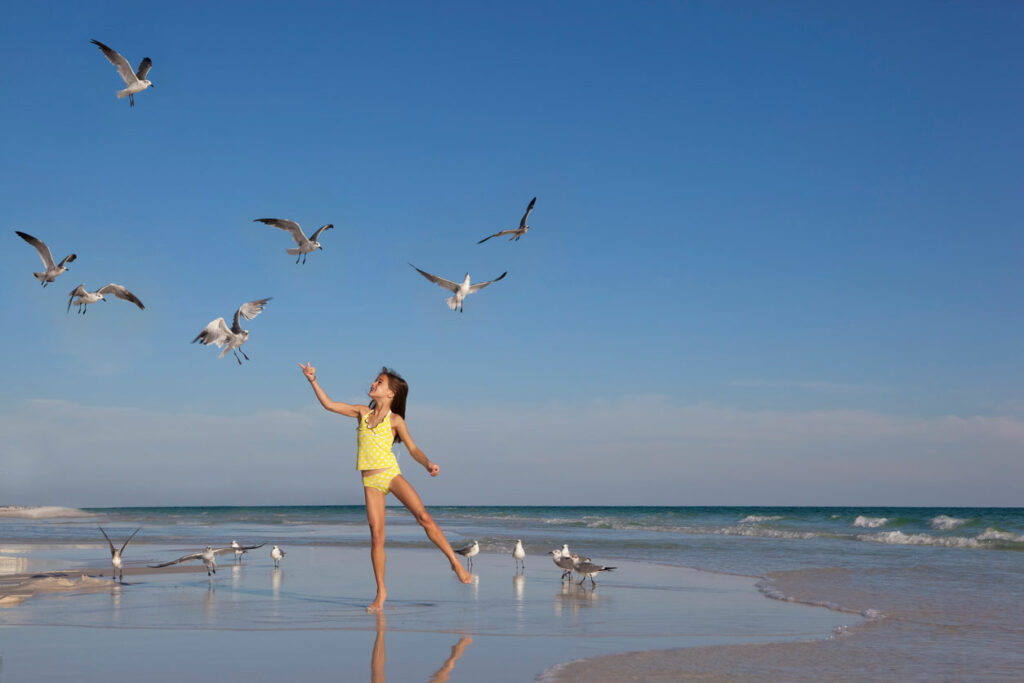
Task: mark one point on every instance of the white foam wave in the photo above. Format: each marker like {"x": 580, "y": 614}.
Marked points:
{"x": 41, "y": 512}
{"x": 765, "y": 533}
{"x": 983, "y": 540}
{"x": 753, "y": 519}
{"x": 945, "y": 522}
{"x": 870, "y": 522}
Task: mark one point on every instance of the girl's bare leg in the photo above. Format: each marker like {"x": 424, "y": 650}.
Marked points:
{"x": 404, "y": 492}
{"x": 375, "y": 517}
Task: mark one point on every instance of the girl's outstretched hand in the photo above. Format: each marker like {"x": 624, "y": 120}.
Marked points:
{"x": 433, "y": 468}
{"x": 308, "y": 370}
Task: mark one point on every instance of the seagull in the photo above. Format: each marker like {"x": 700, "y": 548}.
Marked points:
{"x": 305, "y": 245}
{"x": 115, "y": 554}
{"x": 242, "y": 549}
{"x": 587, "y": 568}
{"x": 573, "y": 556}
{"x": 217, "y": 331}
{"x": 135, "y": 80}
{"x": 85, "y": 298}
{"x": 52, "y": 269}
{"x": 208, "y": 556}
{"x": 461, "y": 291}
{"x": 563, "y": 562}
{"x": 469, "y": 552}
{"x": 519, "y": 555}
{"x": 515, "y": 232}
{"x": 276, "y": 554}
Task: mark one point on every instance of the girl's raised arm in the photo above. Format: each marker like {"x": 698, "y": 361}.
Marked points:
{"x": 346, "y": 409}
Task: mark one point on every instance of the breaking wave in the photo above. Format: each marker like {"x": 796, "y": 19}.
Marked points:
{"x": 870, "y": 522}
{"x": 27, "y": 512}
{"x": 945, "y": 522}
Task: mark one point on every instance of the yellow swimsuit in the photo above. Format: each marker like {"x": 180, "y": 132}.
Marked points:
{"x": 375, "y": 453}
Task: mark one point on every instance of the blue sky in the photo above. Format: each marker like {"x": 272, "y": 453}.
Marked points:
{"x": 770, "y": 240}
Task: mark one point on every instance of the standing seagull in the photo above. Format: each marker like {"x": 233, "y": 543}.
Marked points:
{"x": 242, "y": 549}
{"x": 217, "y": 331}
{"x": 52, "y": 269}
{"x": 115, "y": 554}
{"x": 276, "y": 554}
{"x": 469, "y": 552}
{"x": 208, "y": 556}
{"x": 305, "y": 245}
{"x": 135, "y": 80}
{"x": 515, "y": 232}
{"x": 563, "y": 562}
{"x": 519, "y": 555}
{"x": 85, "y": 298}
{"x": 587, "y": 568}
{"x": 460, "y": 291}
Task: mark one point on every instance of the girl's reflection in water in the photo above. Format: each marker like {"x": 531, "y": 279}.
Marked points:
{"x": 379, "y": 656}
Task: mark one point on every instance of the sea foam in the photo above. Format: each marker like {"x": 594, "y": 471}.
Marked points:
{"x": 754, "y": 519}
{"x": 870, "y": 522}
{"x": 945, "y": 522}
{"x": 41, "y": 512}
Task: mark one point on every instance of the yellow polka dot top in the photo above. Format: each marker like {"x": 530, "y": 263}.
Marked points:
{"x": 375, "y": 444}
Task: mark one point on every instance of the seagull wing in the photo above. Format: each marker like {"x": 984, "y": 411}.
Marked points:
{"x": 315, "y": 235}
{"x": 129, "y": 538}
{"x": 249, "y": 311}
{"x": 480, "y": 285}
{"x": 219, "y": 551}
{"x": 216, "y": 332}
{"x": 522, "y": 223}
{"x": 108, "y": 540}
{"x": 67, "y": 259}
{"x": 440, "y": 281}
{"x": 44, "y": 251}
{"x": 123, "y": 67}
{"x": 251, "y": 547}
{"x": 285, "y": 224}
{"x": 121, "y": 293}
{"x": 144, "y": 66}
{"x": 77, "y": 291}
{"x": 497, "y": 234}
{"x": 184, "y": 558}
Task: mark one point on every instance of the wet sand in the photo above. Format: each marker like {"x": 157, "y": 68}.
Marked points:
{"x": 307, "y": 621}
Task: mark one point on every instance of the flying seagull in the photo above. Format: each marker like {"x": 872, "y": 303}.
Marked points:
{"x": 461, "y": 291}
{"x": 306, "y": 245}
{"x": 515, "y": 232}
{"x": 85, "y": 298}
{"x": 115, "y": 554}
{"x": 519, "y": 555}
{"x": 208, "y": 556}
{"x": 276, "y": 554}
{"x": 469, "y": 552}
{"x": 52, "y": 269}
{"x": 242, "y": 549}
{"x": 217, "y": 331}
{"x": 135, "y": 80}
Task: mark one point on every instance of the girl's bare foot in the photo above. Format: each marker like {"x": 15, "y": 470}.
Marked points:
{"x": 378, "y": 604}
{"x": 464, "y": 576}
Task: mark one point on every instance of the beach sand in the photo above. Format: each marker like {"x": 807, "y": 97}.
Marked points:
{"x": 306, "y": 621}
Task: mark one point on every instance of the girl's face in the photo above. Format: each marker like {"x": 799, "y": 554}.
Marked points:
{"x": 379, "y": 389}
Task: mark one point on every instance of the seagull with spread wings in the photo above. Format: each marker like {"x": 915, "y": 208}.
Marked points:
{"x": 515, "y": 232}
{"x": 208, "y": 555}
{"x": 85, "y": 297}
{"x": 116, "y": 554}
{"x": 460, "y": 291}
{"x": 52, "y": 269}
{"x": 306, "y": 245}
{"x": 135, "y": 80}
{"x": 217, "y": 331}
{"x": 242, "y": 549}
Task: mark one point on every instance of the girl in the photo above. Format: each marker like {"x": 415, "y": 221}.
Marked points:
{"x": 381, "y": 424}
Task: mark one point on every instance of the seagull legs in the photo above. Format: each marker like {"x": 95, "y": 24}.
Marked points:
{"x": 131, "y": 99}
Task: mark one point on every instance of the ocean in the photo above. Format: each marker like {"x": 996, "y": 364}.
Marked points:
{"x": 938, "y": 589}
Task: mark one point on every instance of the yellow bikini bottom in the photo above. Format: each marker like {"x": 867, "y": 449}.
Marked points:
{"x": 382, "y": 480}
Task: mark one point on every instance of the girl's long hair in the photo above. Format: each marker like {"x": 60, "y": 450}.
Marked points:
{"x": 401, "y": 389}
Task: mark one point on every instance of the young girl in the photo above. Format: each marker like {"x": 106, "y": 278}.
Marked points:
{"x": 381, "y": 424}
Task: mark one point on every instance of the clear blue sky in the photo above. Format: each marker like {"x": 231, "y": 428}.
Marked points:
{"x": 776, "y": 255}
